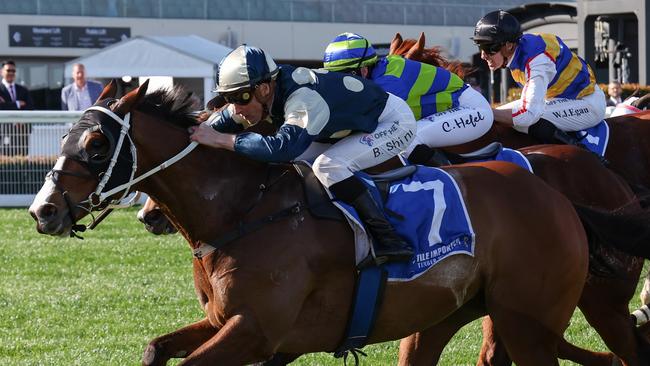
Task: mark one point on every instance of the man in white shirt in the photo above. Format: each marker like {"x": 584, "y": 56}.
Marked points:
{"x": 82, "y": 93}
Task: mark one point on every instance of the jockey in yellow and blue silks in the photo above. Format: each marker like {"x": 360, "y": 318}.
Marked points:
{"x": 448, "y": 111}
{"x": 559, "y": 88}
{"x": 346, "y": 123}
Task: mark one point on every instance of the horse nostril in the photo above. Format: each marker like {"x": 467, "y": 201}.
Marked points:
{"x": 46, "y": 211}
{"x": 152, "y": 216}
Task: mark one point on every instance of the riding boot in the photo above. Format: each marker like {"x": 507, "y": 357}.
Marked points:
{"x": 387, "y": 244}
{"x": 425, "y": 155}
{"x": 389, "y": 247}
{"x": 547, "y": 133}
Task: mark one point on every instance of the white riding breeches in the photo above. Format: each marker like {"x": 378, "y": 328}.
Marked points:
{"x": 471, "y": 120}
{"x": 395, "y": 130}
{"x": 569, "y": 114}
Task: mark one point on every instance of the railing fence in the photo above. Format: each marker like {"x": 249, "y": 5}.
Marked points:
{"x": 29, "y": 146}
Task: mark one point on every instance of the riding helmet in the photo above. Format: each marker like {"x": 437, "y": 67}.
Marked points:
{"x": 497, "y": 27}
{"x": 349, "y": 51}
{"x": 244, "y": 67}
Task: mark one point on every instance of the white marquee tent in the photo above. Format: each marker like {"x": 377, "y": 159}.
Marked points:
{"x": 172, "y": 56}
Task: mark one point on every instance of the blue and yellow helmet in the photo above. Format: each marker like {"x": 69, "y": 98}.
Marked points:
{"x": 349, "y": 51}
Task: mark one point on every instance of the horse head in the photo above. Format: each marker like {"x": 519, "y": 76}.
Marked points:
{"x": 154, "y": 220}
{"x": 86, "y": 153}
{"x": 415, "y": 50}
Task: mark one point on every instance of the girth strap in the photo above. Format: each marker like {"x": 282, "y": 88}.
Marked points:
{"x": 244, "y": 229}
{"x": 368, "y": 294}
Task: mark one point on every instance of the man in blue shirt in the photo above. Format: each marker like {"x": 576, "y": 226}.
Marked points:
{"x": 346, "y": 123}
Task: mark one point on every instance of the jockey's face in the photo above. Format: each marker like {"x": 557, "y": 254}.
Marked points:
{"x": 495, "y": 60}
{"x": 497, "y": 57}
{"x": 254, "y": 110}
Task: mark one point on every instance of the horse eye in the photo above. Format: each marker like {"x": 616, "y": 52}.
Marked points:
{"x": 96, "y": 143}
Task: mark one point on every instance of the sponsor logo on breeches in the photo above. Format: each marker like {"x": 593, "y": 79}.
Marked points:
{"x": 369, "y": 138}
{"x": 471, "y": 121}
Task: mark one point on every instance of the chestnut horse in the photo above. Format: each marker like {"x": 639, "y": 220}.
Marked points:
{"x": 287, "y": 287}
{"x": 629, "y": 155}
{"x": 581, "y": 177}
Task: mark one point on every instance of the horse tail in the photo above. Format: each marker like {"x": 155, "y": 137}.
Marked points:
{"x": 626, "y": 229}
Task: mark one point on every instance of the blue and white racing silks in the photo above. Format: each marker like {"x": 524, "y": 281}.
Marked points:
{"x": 309, "y": 105}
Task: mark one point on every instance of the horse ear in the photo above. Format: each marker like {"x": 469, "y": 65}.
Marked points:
{"x": 395, "y": 43}
{"x": 416, "y": 50}
{"x": 132, "y": 98}
{"x": 109, "y": 91}
{"x": 420, "y": 42}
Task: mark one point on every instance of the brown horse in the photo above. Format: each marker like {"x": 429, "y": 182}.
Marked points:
{"x": 628, "y": 154}
{"x": 584, "y": 180}
{"x": 287, "y": 287}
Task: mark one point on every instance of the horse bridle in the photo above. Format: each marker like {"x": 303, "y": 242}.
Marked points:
{"x": 99, "y": 200}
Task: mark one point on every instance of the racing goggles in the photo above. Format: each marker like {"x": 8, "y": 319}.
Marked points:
{"x": 240, "y": 97}
{"x": 490, "y": 48}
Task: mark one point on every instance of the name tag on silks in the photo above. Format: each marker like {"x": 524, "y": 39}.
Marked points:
{"x": 595, "y": 138}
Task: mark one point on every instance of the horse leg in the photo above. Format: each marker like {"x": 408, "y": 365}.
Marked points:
{"x": 492, "y": 351}
{"x": 240, "y": 341}
{"x": 609, "y": 316}
{"x": 179, "y": 343}
{"x": 425, "y": 347}
{"x": 527, "y": 341}
{"x": 581, "y": 356}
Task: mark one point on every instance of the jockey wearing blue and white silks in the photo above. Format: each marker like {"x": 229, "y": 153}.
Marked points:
{"x": 346, "y": 123}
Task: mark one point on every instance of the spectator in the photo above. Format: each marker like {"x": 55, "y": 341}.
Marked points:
{"x": 614, "y": 90}
{"x": 14, "y": 136}
{"x": 12, "y": 95}
{"x": 82, "y": 93}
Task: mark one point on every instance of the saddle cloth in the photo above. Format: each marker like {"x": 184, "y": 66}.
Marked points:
{"x": 427, "y": 210}
{"x": 595, "y": 138}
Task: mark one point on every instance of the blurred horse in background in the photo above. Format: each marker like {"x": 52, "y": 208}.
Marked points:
{"x": 613, "y": 274}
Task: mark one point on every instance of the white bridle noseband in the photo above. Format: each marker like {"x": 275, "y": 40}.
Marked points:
{"x": 98, "y": 197}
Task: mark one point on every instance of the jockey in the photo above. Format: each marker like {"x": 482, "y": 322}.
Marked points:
{"x": 448, "y": 111}
{"x": 346, "y": 123}
{"x": 559, "y": 88}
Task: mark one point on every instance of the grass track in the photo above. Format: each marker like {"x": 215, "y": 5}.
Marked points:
{"x": 99, "y": 301}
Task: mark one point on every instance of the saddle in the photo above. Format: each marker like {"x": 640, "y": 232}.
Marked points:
{"x": 319, "y": 201}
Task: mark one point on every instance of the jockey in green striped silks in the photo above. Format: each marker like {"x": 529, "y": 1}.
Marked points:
{"x": 448, "y": 111}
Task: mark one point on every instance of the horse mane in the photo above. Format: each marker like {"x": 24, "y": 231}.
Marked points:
{"x": 175, "y": 105}
{"x": 432, "y": 56}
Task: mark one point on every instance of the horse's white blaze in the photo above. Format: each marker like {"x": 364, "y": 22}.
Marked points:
{"x": 141, "y": 214}
{"x": 47, "y": 190}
